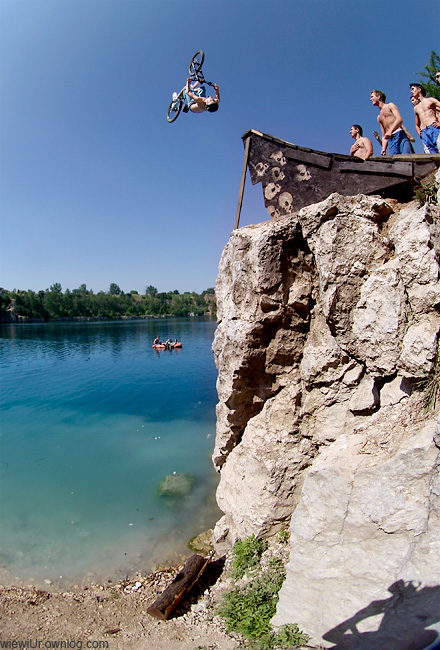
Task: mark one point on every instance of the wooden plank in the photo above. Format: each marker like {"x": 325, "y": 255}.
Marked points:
{"x": 243, "y": 181}
{"x": 424, "y": 167}
{"x": 315, "y": 159}
{"x": 169, "y": 599}
{"x": 404, "y": 169}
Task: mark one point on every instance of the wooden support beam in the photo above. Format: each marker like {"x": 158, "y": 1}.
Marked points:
{"x": 243, "y": 181}
{"x": 169, "y": 599}
{"x": 309, "y": 157}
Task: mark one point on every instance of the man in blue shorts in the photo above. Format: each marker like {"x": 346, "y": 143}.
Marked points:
{"x": 427, "y": 116}
{"x": 196, "y": 99}
{"x": 390, "y": 120}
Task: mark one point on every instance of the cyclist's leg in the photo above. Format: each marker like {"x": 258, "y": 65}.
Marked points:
{"x": 187, "y": 102}
{"x": 197, "y": 89}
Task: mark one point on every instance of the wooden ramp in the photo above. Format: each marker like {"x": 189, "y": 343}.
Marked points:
{"x": 293, "y": 177}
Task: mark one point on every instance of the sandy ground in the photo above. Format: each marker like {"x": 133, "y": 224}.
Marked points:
{"x": 112, "y": 616}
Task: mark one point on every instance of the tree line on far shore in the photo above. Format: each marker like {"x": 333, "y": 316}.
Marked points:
{"x": 55, "y": 303}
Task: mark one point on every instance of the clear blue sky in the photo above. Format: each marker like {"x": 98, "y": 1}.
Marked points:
{"x": 97, "y": 187}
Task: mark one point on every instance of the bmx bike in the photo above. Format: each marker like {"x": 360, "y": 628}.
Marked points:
{"x": 196, "y": 74}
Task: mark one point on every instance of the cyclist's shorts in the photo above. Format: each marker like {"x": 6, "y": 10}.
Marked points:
{"x": 200, "y": 92}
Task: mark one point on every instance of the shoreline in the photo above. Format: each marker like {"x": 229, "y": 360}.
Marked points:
{"x": 24, "y": 320}
{"x": 112, "y": 616}
{"x": 200, "y": 544}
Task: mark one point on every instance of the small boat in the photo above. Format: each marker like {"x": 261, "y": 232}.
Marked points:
{"x": 170, "y": 346}
{"x": 293, "y": 177}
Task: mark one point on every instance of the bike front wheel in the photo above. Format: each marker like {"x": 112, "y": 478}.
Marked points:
{"x": 174, "y": 109}
{"x": 196, "y": 62}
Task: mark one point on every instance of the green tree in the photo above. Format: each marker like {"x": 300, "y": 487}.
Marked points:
{"x": 5, "y": 301}
{"x": 81, "y": 302}
{"x": 54, "y": 301}
{"x": 114, "y": 290}
{"x": 429, "y": 83}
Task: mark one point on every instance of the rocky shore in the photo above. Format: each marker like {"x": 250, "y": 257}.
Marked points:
{"x": 111, "y": 616}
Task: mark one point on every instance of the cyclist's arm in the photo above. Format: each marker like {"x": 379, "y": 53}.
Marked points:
{"x": 189, "y": 91}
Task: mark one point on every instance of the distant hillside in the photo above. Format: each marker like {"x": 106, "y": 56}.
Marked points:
{"x": 18, "y": 305}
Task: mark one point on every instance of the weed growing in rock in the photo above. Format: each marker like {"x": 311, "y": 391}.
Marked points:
{"x": 246, "y": 555}
{"x": 250, "y": 606}
{"x": 431, "y": 385}
{"x": 283, "y": 536}
{"x": 427, "y": 193}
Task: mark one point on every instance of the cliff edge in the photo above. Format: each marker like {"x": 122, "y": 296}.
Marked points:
{"x": 326, "y": 346}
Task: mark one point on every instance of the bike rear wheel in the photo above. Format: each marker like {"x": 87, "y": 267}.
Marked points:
{"x": 196, "y": 62}
{"x": 174, "y": 109}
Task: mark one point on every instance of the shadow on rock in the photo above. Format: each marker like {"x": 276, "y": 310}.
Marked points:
{"x": 406, "y": 615}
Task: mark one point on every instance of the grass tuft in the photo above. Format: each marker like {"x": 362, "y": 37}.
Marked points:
{"x": 430, "y": 385}
{"x": 427, "y": 193}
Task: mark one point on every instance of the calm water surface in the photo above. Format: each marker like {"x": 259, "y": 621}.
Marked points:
{"x": 92, "y": 419}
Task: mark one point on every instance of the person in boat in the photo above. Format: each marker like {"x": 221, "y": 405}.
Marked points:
{"x": 196, "y": 99}
{"x": 390, "y": 121}
{"x": 427, "y": 118}
{"x": 168, "y": 344}
{"x": 156, "y": 341}
{"x": 363, "y": 147}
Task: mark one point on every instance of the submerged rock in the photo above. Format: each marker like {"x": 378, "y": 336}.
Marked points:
{"x": 176, "y": 485}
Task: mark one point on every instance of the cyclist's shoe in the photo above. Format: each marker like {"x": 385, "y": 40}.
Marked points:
{"x": 185, "y": 109}
{"x": 174, "y": 97}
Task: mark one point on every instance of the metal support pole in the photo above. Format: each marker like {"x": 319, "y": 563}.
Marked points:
{"x": 243, "y": 180}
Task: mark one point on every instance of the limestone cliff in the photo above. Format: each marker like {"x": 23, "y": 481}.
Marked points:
{"x": 328, "y": 321}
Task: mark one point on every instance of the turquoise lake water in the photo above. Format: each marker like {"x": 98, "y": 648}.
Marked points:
{"x": 92, "y": 420}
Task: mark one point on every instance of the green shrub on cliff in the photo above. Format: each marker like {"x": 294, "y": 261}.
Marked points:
{"x": 426, "y": 193}
{"x": 246, "y": 555}
{"x": 250, "y": 606}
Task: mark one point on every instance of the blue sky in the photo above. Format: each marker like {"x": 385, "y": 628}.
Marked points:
{"x": 97, "y": 187}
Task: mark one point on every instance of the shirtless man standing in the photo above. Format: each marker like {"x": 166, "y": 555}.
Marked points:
{"x": 363, "y": 147}
{"x": 390, "y": 121}
{"x": 427, "y": 116}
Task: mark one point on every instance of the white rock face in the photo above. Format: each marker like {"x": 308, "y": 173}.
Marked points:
{"x": 328, "y": 324}
{"x": 367, "y": 523}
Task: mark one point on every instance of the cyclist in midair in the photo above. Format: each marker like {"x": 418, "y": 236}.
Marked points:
{"x": 193, "y": 96}
{"x": 196, "y": 99}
